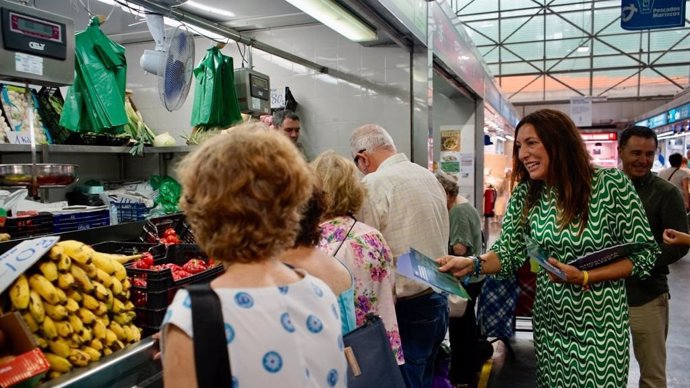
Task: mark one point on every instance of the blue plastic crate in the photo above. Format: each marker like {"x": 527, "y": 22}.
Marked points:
{"x": 70, "y": 222}
{"x": 130, "y": 212}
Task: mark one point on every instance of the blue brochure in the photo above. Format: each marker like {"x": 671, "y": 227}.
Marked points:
{"x": 417, "y": 266}
{"x": 536, "y": 252}
{"x": 605, "y": 256}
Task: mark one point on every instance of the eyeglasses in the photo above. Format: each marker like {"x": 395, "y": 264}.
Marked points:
{"x": 357, "y": 156}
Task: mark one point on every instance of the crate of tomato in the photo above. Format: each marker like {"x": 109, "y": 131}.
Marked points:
{"x": 156, "y": 279}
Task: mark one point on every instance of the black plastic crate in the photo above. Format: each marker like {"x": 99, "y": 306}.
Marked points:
{"x": 155, "y": 228}
{"x": 21, "y": 227}
{"x": 152, "y": 300}
{"x": 130, "y": 248}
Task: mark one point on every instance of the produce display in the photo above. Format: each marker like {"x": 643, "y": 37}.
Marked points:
{"x": 15, "y": 106}
{"x": 76, "y": 302}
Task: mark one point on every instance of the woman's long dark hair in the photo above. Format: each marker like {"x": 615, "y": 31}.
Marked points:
{"x": 570, "y": 169}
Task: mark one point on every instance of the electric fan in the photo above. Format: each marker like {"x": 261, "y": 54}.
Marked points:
{"x": 172, "y": 61}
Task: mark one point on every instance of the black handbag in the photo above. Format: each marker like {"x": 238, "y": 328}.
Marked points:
{"x": 370, "y": 359}
{"x": 211, "y": 358}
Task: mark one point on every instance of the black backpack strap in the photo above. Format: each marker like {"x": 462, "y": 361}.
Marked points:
{"x": 211, "y": 357}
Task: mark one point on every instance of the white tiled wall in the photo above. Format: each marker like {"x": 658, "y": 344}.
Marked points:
{"x": 330, "y": 108}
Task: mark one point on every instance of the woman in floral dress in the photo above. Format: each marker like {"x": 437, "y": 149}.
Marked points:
{"x": 358, "y": 245}
{"x": 571, "y": 209}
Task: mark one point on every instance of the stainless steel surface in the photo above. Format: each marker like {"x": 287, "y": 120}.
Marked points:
{"x": 47, "y": 175}
{"x": 51, "y": 72}
{"x": 89, "y": 149}
{"x": 132, "y": 366}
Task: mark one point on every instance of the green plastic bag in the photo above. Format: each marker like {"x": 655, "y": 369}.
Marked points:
{"x": 169, "y": 192}
{"x": 215, "y": 98}
{"x": 96, "y": 100}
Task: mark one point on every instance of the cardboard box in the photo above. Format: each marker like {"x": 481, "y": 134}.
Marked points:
{"x": 30, "y": 363}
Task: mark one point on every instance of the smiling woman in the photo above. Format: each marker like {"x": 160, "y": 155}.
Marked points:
{"x": 570, "y": 209}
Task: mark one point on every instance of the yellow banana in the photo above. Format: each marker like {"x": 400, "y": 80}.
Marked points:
{"x": 104, "y": 262}
{"x": 107, "y": 352}
{"x": 53, "y": 374}
{"x": 44, "y": 288}
{"x": 136, "y": 333}
{"x": 117, "y": 345}
{"x": 49, "y": 329}
{"x": 115, "y": 286}
{"x": 77, "y": 324}
{"x": 62, "y": 297}
{"x": 36, "y": 306}
{"x": 105, "y": 320}
{"x": 99, "y": 330}
{"x": 30, "y": 322}
{"x": 129, "y": 306}
{"x": 102, "y": 309}
{"x": 77, "y": 250}
{"x": 110, "y": 337}
{"x": 41, "y": 342}
{"x": 126, "y": 285}
{"x": 65, "y": 280}
{"x": 93, "y": 353}
{"x": 56, "y": 252}
{"x": 64, "y": 264}
{"x": 79, "y": 358}
{"x": 64, "y": 329}
{"x": 57, "y": 363}
{"x": 100, "y": 291}
{"x": 60, "y": 347}
{"x": 90, "y": 269}
{"x": 117, "y": 329}
{"x": 118, "y": 306}
{"x": 128, "y": 334}
{"x": 103, "y": 278}
{"x": 120, "y": 272}
{"x": 75, "y": 341}
{"x": 49, "y": 270}
{"x": 74, "y": 294}
{"x": 85, "y": 336}
{"x": 96, "y": 344}
{"x": 55, "y": 311}
{"x": 19, "y": 293}
{"x": 121, "y": 319}
{"x": 89, "y": 302}
{"x": 81, "y": 279}
{"x": 72, "y": 306}
{"x": 87, "y": 317}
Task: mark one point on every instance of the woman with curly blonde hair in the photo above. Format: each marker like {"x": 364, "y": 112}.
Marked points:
{"x": 242, "y": 194}
{"x": 361, "y": 247}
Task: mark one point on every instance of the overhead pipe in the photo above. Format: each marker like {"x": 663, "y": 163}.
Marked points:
{"x": 187, "y": 17}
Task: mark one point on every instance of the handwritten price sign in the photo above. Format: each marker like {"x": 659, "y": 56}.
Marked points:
{"x": 18, "y": 259}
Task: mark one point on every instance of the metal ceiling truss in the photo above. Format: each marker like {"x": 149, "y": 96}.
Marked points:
{"x": 544, "y": 72}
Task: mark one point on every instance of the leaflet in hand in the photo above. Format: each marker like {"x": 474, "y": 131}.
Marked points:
{"x": 416, "y": 266}
{"x": 536, "y": 252}
{"x": 605, "y": 256}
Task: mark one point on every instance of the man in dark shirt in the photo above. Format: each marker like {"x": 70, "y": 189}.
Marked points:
{"x": 648, "y": 298}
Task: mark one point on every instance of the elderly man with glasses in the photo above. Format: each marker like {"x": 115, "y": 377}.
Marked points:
{"x": 407, "y": 204}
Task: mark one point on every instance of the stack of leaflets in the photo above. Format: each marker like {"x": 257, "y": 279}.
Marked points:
{"x": 416, "y": 266}
{"x": 540, "y": 256}
{"x": 605, "y": 256}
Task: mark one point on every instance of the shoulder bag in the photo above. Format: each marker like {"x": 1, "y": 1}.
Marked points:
{"x": 211, "y": 358}
{"x": 370, "y": 359}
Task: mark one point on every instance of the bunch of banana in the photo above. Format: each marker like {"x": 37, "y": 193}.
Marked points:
{"x": 76, "y": 302}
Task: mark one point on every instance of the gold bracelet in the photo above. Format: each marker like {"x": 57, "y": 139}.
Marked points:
{"x": 585, "y": 281}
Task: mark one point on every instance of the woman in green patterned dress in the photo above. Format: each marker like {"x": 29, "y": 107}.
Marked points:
{"x": 571, "y": 209}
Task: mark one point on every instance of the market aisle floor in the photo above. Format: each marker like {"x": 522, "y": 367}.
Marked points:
{"x": 520, "y": 371}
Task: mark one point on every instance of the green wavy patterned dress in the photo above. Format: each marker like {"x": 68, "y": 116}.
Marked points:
{"x": 581, "y": 338}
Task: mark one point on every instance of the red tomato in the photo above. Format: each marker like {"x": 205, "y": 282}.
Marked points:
{"x": 194, "y": 266}
{"x": 169, "y": 232}
{"x": 141, "y": 264}
{"x": 148, "y": 259}
{"x": 180, "y": 274}
{"x": 139, "y": 282}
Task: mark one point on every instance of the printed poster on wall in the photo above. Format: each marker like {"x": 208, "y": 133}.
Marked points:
{"x": 450, "y": 151}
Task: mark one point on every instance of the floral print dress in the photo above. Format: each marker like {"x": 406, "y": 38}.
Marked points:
{"x": 368, "y": 257}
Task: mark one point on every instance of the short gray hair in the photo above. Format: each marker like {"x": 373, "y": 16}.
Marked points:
{"x": 449, "y": 183}
{"x": 370, "y": 137}
{"x": 281, "y": 115}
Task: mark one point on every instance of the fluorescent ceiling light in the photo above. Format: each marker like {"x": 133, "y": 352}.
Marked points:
{"x": 337, "y": 18}
{"x": 212, "y": 10}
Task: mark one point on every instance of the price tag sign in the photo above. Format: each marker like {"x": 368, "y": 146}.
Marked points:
{"x": 18, "y": 259}
{"x": 277, "y": 98}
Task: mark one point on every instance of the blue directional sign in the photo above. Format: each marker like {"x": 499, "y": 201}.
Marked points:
{"x": 651, "y": 14}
